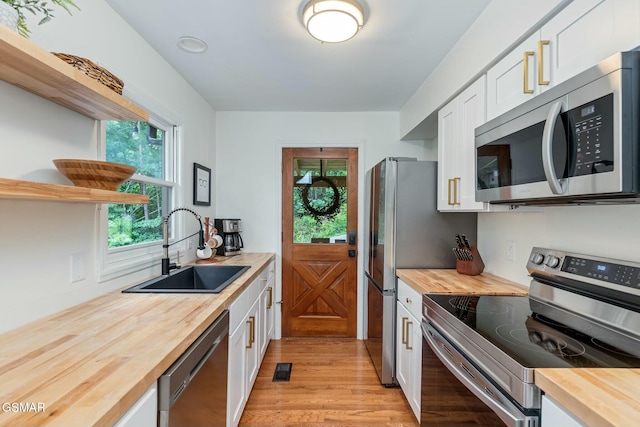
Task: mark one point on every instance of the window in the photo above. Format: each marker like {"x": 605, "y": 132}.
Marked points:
{"x": 147, "y": 148}
{"x": 131, "y": 235}
{"x": 320, "y": 201}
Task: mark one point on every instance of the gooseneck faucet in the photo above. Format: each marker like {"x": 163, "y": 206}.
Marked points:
{"x": 167, "y": 265}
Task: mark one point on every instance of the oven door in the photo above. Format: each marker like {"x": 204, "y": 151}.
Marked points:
{"x": 455, "y": 392}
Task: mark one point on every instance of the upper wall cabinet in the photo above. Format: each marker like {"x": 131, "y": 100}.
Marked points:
{"x": 27, "y": 65}
{"x": 580, "y": 36}
{"x": 456, "y": 149}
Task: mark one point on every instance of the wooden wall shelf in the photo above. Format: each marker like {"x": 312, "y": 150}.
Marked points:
{"x": 27, "y": 65}
{"x": 28, "y": 190}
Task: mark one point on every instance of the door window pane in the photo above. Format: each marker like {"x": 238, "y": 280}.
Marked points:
{"x": 320, "y": 201}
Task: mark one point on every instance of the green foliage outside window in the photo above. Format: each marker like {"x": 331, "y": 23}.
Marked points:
{"x": 306, "y": 227}
{"x": 140, "y": 145}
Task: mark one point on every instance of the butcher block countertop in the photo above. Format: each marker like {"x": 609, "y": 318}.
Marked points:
{"x": 451, "y": 282}
{"x": 89, "y": 364}
{"x": 598, "y": 397}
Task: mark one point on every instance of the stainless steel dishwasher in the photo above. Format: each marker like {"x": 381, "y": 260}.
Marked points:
{"x": 193, "y": 391}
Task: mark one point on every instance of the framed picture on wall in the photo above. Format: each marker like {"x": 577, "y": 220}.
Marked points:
{"x": 201, "y": 185}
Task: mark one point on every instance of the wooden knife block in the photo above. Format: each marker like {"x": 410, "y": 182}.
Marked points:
{"x": 473, "y": 267}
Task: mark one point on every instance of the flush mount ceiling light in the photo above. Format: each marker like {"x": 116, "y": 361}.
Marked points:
{"x": 333, "y": 21}
{"x": 192, "y": 45}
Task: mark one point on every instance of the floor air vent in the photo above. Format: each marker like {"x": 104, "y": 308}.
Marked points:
{"x": 283, "y": 372}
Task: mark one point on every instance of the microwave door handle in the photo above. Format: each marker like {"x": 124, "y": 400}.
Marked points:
{"x": 557, "y": 187}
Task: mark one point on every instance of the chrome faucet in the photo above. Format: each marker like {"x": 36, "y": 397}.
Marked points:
{"x": 167, "y": 265}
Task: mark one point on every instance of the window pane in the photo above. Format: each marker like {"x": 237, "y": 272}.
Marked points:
{"x": 131, "y": 224}
{"x": 320, "y": 201}
{"x": 138, "y": 144}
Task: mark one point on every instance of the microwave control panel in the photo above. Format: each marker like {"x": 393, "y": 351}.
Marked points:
{"x": 592, "y": 125}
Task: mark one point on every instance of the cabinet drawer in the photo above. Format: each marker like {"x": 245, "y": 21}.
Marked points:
{"x": 237, "y": 311}
{"x": 239, "y": 308}
{"x": 410, "y": 299}
{"x": 263, "y": 280}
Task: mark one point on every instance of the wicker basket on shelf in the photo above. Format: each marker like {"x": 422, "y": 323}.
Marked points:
{"x": 93, "y": 70}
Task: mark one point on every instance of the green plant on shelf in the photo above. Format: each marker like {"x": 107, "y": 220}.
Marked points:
{"x": 38, "y": 8}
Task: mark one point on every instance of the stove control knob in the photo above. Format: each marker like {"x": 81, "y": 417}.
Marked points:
{"x": 553, "y": 261}
{"x": 537, "y": 258}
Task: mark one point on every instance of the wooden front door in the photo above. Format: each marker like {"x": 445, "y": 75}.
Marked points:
{"x": 319, "y": 246}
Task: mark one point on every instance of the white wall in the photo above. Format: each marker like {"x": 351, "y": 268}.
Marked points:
{"x": 248, "y": 165}
{"x": 606, "y": 231}
{"x": 37, "y": 238}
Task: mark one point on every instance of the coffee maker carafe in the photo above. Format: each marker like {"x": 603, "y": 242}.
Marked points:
{"x": 229, "y": 230}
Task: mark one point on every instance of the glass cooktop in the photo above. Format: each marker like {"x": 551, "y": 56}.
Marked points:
{"x": 533, "y": 340}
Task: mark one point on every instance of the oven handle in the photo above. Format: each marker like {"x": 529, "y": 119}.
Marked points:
{"x": 509, "y": 414}
{"x": 557, "y": 187}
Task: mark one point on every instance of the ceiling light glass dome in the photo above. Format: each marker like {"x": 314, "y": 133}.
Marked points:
{"x": 333, "y": 21}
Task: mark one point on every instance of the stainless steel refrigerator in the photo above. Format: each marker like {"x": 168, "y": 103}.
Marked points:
{"x": 404, "y": 230}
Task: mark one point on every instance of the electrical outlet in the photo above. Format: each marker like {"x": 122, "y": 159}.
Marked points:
{"x": 76, "y": 263}
{"x": 510, "y": 254}
{"x": 190, "y": 243}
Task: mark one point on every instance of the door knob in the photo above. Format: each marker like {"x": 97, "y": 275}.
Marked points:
{"x": 352, "y": 253}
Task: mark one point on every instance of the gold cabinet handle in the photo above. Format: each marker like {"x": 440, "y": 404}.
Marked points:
{"x": 456, "y": 182}
{"x": 525, "y": 86}
{"x": 541, "y": 80}
{"x": 252, "y": 330}
{"x": 453, "y": 201}
{"x": 449, "y": 202}
{"x": 407, "y": 346}
{"x": 404, "y": 331}
{"x": 270, "y": 300}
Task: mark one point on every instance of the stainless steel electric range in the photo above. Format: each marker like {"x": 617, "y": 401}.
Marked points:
{"x": 480, "y": 352}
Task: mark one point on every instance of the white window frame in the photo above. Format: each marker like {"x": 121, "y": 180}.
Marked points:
{"x": 113, "y": 263}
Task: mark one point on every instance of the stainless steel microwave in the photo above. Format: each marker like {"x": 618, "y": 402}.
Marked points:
{"x": 576, "y": 143}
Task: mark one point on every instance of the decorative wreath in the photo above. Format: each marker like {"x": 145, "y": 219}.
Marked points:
{"x": 329, "y": 211}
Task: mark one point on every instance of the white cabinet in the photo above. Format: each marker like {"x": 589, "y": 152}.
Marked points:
{"x": 251, "y": 329}
{"x": 143, "y": 413}
{"x": 513, "y": 80}
{"x": 581, "y": 35}
{"x": 237, "y": 377}
{"x": 586, "y": 32}
{"x": 409, "y": 345}
{"x": 270, "y": 303}
{"x": 252, "y": 348}
{"x": 457, "y": 122}
{"x": 267, "y": 311}
{"x": 554, "y": 415}
{"x": 244, "y": 359}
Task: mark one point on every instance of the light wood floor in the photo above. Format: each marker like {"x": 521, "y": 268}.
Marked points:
{"x": 333, "y": 383}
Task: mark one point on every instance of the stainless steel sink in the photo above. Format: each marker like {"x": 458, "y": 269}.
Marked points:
{"x": 199, "y": 279}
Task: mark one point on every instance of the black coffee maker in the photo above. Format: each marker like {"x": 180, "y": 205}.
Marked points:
{"x": 229, "y": 230}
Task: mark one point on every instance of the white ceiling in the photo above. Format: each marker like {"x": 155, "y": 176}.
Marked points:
{"x": 261, "y": 58}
